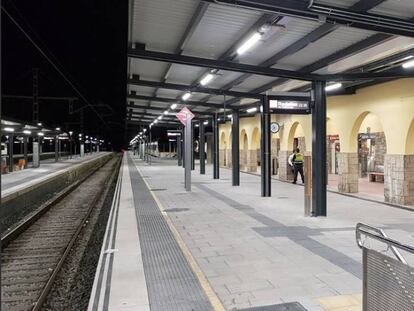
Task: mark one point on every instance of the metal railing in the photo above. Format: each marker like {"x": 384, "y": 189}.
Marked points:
{"x": 388, "y": 283}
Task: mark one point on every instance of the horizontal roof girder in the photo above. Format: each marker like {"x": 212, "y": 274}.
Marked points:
{"x": 332, "y": 14}
{"x": 218, "y": 64}
{"x": 172, "y": 100}
{"x": 161, "y": 108}
{"x": 184, "y": 88}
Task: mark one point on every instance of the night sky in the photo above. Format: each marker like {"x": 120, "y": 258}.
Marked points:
{"x": 89, "y": 40}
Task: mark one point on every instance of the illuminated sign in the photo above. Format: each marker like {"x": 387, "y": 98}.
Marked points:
{"x": 289, "y": 106}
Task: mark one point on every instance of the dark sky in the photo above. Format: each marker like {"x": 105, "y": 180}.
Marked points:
{"x": 88, "y": 39}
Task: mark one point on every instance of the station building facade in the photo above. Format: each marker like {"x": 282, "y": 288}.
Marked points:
{"x": 370, "y": 135}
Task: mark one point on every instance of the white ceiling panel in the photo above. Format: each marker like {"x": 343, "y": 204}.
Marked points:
{"x": 168, "y": 93}
{"x": 161, "y": 23}
{"x": 331, "y": 43}
{"x": 219, "y": 28}
{"x": 253, "y": 82}
{"x": 184, "y": 74}
{"x": 142, "y": 90}
{"x": 148, "y": 70}
{"x": 395, "y": 8}
{"x": 338, "y": 3}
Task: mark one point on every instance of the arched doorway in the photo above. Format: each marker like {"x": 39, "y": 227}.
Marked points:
{"x": 297, "y": 137}
{"x": 367, "y": 174}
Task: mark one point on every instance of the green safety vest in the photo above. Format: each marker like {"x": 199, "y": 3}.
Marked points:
{"x": 299, "y": 158}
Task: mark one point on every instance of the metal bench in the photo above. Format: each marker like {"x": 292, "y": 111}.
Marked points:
{"x": 388, "y": 283}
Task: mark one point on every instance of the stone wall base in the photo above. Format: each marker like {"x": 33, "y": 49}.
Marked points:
{"x": 348, "y": 172}
{"x": 399, "y": 179}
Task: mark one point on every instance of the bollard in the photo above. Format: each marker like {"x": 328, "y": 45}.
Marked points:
{"x": 308, "y": 186}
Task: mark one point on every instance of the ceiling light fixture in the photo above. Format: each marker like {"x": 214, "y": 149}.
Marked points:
{"x": 27, "y": 132}
{"x": 9, "y": 129}
{"x": 333, "y": 86}
{"x": 166, "y": 112}
{"x": 159, "y": 118}
{"x": 173, "y": 106}
{"x": 408, "y": 64}
{"x": 186, "y": 96}
{"x": 207, "y": 79}
{"x": 249, "y": 43}
{"x": 250, "y": 110}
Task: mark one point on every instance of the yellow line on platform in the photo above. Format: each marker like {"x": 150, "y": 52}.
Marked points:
{"x": 205, "y": 284}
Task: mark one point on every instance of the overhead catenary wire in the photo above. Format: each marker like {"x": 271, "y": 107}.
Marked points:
{"x": 44, "y": 54}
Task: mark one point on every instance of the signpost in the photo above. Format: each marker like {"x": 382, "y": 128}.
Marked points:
{"x": 185, "y": 116}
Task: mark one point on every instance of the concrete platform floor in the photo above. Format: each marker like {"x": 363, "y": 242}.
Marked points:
{"x": 258, "y": 251}
{"x": 46, "y": 167}
{"x": 367, "y": 190}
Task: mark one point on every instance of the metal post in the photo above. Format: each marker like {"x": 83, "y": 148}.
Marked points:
{"x": 192, "y": 147}
{"x": 202, "y": 148}
{"x": 235, "y": 149}
{"x": 11, "y": 161}
{"x": 26, "y": 158}
{"x": 187, "y": 151}
{"x": 179, "y": 155}
{"x": 70, "y": 147}
{"x": 150, "y": 148}
{"x": 265, "y": 149}
{"x": 319, "y": 149}
{"x": 183, "y": 147}
{"x": 216, "y": 163}
{"x": 56, "y": 149}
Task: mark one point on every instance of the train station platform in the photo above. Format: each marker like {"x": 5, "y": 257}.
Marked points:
{"x": 221, "y": 247}
{"x": 17, "y": 180}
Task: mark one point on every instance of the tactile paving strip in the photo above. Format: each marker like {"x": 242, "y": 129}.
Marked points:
{"x": 291, "y": 306}
{"x": 171, "y": 283}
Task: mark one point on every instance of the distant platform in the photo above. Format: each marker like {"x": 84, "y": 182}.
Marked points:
{"x": 20, "y": 179}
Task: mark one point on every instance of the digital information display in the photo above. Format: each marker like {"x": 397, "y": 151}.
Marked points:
{"x": 289, "y": 106}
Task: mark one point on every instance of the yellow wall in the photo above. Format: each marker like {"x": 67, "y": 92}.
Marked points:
{"x": 388, "y": 107}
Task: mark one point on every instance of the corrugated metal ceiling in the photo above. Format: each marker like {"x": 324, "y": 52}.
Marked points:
{"x": 160, "y": 23}
{"x": 396, "y": 8}
{"x": 333, "y": 42}
{"x": 218, "y": 30}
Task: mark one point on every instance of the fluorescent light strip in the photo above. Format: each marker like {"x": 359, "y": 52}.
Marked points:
{"x": 249, "y": 43}
{"x": 173, "y": 106}
{"x": 409, "y": 64}
{"x": 207, "y": 79}
{"x": 186, "y": 96}
{"x": 332, "y": 87}
{"x": 250, "y": 110}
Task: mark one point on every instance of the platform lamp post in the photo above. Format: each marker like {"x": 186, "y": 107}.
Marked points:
{"x": 57, "y": 145}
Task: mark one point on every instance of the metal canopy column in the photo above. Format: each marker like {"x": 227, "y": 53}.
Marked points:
{"x": 202, "y": 148}
{"x": 265, "y": 149}
{"x": 319, "y": 149}
{"x": 11, "y": 160}
{"x": 56, "y": 149}
{"x": 25, "y": 141}
{"x": 235, "y": 149}
{"x": 179, "y": 156}
{"x": 216, "y": 169}
{"x": 183, "y": 147}
{"x": 192, "y": 147}
{"x": 187, "y": 151}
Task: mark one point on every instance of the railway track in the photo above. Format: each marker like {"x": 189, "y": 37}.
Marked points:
{"x": 34, "y": 251}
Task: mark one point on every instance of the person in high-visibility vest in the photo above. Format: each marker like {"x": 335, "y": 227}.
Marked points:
{"x": 297, "y": 160}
